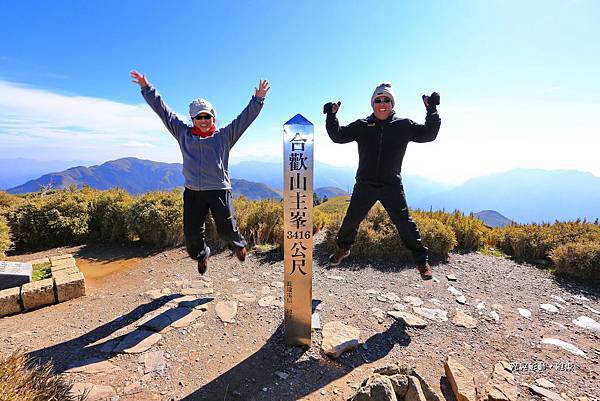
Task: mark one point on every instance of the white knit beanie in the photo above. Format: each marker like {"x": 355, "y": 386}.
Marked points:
{"x": 383, "y": 89}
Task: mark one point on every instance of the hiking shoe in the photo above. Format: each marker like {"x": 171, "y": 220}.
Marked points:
{"x": 425, "y": 271}
{"x": 337, "y": 257}
{"x": 202, "y": 265}
{"x": 240, "y": 253}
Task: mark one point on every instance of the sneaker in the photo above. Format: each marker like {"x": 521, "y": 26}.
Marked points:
{"x": 337, "y": 257}
{"x": 240, "y": 253}
{"x": 203, "y": 263}
{"x": 425, "y": 271}
{"x": 202, "y": 266}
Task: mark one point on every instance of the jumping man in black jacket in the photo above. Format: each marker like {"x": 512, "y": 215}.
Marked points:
{"x": 382, "y": 139}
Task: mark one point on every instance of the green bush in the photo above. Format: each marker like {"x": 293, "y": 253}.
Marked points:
{"x": 469, "y": 230}
{"x": 53, "y": 220}
{"x": 156, "y": 218}
{"x": 533, "y": 242}
{"x": 5, "y": 241}
{"x": 377, "y": 237}
{"x": 108, "y": 211}
{"x": 578, "y": 259}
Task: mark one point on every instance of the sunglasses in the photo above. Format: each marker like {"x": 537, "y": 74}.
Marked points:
{"x": 203, "y": 117}
{"x": 384, "y": 100}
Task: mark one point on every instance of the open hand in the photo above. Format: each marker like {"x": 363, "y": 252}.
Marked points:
{"x": 139, "y": 78}
{"x": 263, "y": 88}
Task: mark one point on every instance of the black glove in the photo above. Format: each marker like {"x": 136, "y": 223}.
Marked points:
{"x": 432, "y": 101}
{"x": 328, "y": 107}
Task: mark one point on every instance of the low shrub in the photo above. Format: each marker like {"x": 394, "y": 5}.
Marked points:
{"x": 58, "y": 219}
{"x": 5, "y": 241}
{"x": 108, "y": 211}
{"x": 377, "y": 237}
{"x": 261, "y": 222}
{"x": 470, "y": 232}
{"x": 578, "y": 259}
{"x": 22, "y": 380}
{"x": 156, "y": 218}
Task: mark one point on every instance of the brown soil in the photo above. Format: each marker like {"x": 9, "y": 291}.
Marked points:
{"x": 212, "y": 360}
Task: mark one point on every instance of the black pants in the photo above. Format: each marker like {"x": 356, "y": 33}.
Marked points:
{"x": 196, "y": 205}
{"x": 392, "y": 198}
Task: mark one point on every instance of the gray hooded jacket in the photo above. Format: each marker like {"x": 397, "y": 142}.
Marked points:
{"x": 205, "y": 160}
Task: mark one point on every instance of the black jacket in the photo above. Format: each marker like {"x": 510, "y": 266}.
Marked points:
{"x": 382, "y": 144}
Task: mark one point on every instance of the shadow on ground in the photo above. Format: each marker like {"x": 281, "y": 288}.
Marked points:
{"x": 256, "y": 378}
{"x": 98, "y": 345}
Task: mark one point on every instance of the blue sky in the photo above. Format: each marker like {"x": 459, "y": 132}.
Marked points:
{"x": 519, "y": 82}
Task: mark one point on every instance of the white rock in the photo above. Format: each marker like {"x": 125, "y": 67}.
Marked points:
{"x": 559, "y": 299}
{"x": 436, "y": 302}
{"x": 437, "y": 315}
{"x": 495, "y": 316}
{"x": 451, "y": 277}
{"x": 587, "y": 323}
{"x": 461, "y": 299}
{"x": 549, "y": 308}
{"x": 560, "y": 325}
{"x": 564, "y": 345}
{"x": 399, "y": 307}
{"x": 454, "y": 291}
{"x": 338, "y": 338}
{"x": 413, "y": 301}
{"x": 337, "y": 278}
{"x": 464, "y": 320}
{"x": 544, "y": 383}
{"x": 480, "y": 305}
{"x": 524, "y": 312}
{"x": 592, "y": 309}
{"x": 226, "y": 311}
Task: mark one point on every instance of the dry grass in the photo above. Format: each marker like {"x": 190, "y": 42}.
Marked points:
{"x": 23, "y": 380}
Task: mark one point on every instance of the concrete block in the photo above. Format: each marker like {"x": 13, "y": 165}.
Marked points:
{"x": 69, "y": 262}
{"x": 10, "y": 301}
{"x": 63, "y": 269}
{"x": 38, "y": 293}
{"x": 56, "y": 259}
{"x": 39, "y": 261}
{"x": 14, "y": 274}
{"x": 69, "y": 286}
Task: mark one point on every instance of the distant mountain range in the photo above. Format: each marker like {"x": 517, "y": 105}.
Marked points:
{"x": 15, "y": 172}
{"x": 493, "y": 219}
{"x": 523, "y": 195}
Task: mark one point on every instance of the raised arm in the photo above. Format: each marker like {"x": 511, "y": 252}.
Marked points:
{"x": 427, "y": 132}
{"x": 336, "y": 133}
{"x": 241, "y": 123}
{"x": 173, "y": 123}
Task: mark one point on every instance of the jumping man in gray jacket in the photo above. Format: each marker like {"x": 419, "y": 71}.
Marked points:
{"x": 205, "y": 151}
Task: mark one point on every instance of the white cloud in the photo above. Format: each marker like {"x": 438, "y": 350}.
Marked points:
{"x": 31, "y": 117}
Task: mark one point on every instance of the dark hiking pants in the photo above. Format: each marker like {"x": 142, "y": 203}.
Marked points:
{"x": 392, "y": 198}
{"x": 196, "y": 205}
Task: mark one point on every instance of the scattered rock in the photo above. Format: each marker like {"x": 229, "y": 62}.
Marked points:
{"x": 408, "y": 319}
{"x": 226, "y": 311}
{"x": 480, "y": 305}
{"x": 282, "y": 375}
{"x": 375, "y": 388}
{"x": 454, "y": 291}
{"x": 94, "y": 392}
{"x": 137, "y": 342}
{"x": 185, "y": 318}
{"x": 245, "y": 297}
{"x": 524, "y": 312}
{"x": 153, "y": 362}
{"x": 277, "y": 284}
{"x": 451, "y": 277}
{"x": 92, "y": 366}
{"x": 315, "y": 321}
{"x": 549, "y": 308}
{"x": 564, "y": 345}
{"x": 414, "y": 393}
{"x": 546, "y": 393}
{"x": 378, "y": 313}
{"x": 502, "y": 386}
{"x": 464, "y": 320}
{"x": 461, "y": 380}
{"x": 436, "y": 302}
{"x": 337, "y": 278}
{"x": 587, "y": 323}
{"x": 547, "y": 384}
{"x": 461, "y": 300}
{"x": 413, "y": 301}
{"x": 391, "y": 296}
{"x": 399, "y": 306}
{"x": 437, "y": 315}
{"x": 338, "y": 338}
{"x": 372, "y": 292}
{"x": 591, "y": 309}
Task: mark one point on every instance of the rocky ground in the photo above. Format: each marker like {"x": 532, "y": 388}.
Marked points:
{"x": 154, "y": 330}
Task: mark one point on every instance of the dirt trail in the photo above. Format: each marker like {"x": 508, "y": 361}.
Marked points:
{"x": 207, "y": 359}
